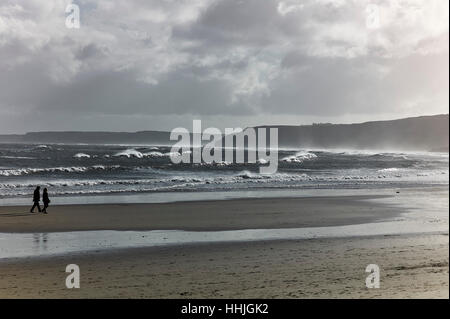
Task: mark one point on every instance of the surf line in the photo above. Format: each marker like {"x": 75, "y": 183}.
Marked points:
{"x": 250, "y": 140}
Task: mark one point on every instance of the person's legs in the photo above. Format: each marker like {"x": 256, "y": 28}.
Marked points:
{"x": 35, "y": 204}
{"x": 45, "y": 209}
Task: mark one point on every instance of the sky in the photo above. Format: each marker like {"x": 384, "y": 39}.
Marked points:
{"x": 156, "y": 65}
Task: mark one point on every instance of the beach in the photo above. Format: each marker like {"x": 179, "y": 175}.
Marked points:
{"x": 412, "y": 265}
{"x": 199, "y": 215}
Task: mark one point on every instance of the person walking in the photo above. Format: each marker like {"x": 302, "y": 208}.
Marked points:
{"x": 36, "y": 199}
{"x": 46, "y": 200}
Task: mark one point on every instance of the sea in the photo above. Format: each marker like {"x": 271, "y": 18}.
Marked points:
{"x": 70, "y": 171}
{"x": 89, "y": 174}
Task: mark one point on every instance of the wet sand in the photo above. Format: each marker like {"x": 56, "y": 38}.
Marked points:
{"x": 200, "y": 215}
{"x": 410, "y": 267}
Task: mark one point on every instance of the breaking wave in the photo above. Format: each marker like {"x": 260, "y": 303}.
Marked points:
{"x": 125, "y": 168}
{"x": 129, "y": 153}
{"x": 132, "y": 153}
{"x": 299, "y": 157}
{"x": 82, "y": 155}
{"x": 73, "y": 169}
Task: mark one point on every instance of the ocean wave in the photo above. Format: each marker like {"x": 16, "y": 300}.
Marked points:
{"x": 402, "y": 156}
{"x": 261, "y": 161}
{"x": 154, "y": 154}
{"x": 129, "y": 153}
{"x": 73, "y": 169}
{"x": 216, "y": 164}
{"x": 133, "y": 153}
{"x": 241, "y": 180}
{"x": 17, "y": 157}
{"x": 160, "y": 154}
{"x": 42, "y": 147}
{"x": 240, "y": 177}
{"x": 299, "y": 157}
{"x": 363, "y": 153}
{"x": 391, "y": 169}
{"x": 82, "y": 155}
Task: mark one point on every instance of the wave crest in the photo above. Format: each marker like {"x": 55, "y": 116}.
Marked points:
{"x": 73, "y": 169}
{"x": 299, "y": 157}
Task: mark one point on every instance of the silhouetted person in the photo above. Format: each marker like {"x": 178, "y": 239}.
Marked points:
{"x": 36, "y": 199}
{"x": 46, "y": 200}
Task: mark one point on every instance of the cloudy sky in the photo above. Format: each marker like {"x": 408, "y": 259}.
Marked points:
{"x": 140, "y": 64}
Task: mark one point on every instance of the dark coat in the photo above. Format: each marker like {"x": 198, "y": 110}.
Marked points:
{"x": 45, "y": 198}
{"x": 36, "y": 196}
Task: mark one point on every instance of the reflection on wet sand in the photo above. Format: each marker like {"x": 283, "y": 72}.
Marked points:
{"x": 14, "y": 245}
{"x": 40, "y": 242}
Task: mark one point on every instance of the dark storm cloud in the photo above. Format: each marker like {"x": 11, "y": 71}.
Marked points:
{"x": 120, "y": 93}
{"x": 220, "y": 58}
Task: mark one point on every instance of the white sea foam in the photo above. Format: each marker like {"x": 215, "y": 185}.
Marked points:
{"x": 17, "y": 157}
{"x": 250, "y": 175}
{"x": 42, "y": 147}
{"x": 131, "y": 152}
{"x": 72, "y": 169}
{"x": 262, "y": 161}
{"x": 154, "y": 154}
{"x": 299, "y": 157}
{"x": 160, "y": 154}
{"x": 391, "y": 169}
{"x": 82, "y": 155}
{"x": 214, "y": 164}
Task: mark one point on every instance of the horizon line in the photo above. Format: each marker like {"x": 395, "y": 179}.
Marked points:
{"x": 255, "y": 126}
